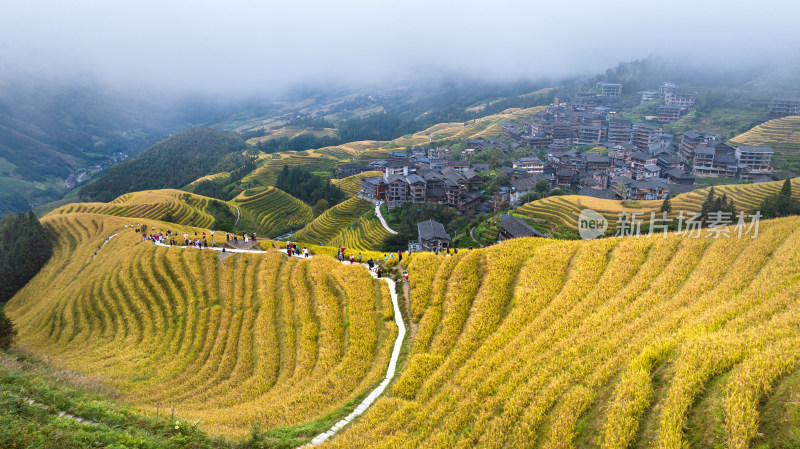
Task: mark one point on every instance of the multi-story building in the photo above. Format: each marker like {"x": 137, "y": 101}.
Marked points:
{"x": 716, "y": 160}
{"x": 397, "y": 156}
{"x": 511, "y": 131}
{"x": 666, "y": 113}
{"x": 620, "y": 153}
{"x": 397, "y": 193}
{"x": 373, "y": 188}
{"x": 640, "y": 190}
{"x": 530, "y": 164}
{"x": 782, "y": 107}
{"x": 610, "y": 89}
{"x": 554, "y": 129}
{"x": 597, "y": 162}
{"x": 667, "y": 162}
{"x": 460, "y": 166}
{"x": 645, "y": 136}
{"x": 692, "y": 139}
{"x": 619, "y": 131}
{"x": 345, "y": 170}
{"x": 589, "y": 135}
{"x": 665, "y": 87}
{"x": 394, "y": 168}
{"x": 678, "y": 176}
{"x": 648, "y": 96}
{"x": 439, "y": 153}
{"x": 416, "y": 188}
{"x": 680, "y": 98}
{"x": 754, "y": 160}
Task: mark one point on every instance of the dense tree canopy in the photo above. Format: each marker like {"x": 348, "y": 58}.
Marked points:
{"x": 226, "y": 188}
{"x": 25, "y": 247}
{"x": 171, "y": 163}
{"x": 781, "y": 204}
{"x": 308, "y": 187}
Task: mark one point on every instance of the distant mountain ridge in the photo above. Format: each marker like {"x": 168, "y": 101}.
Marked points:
{"x": 49, "y": 130}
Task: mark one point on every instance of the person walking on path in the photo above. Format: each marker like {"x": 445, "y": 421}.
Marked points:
{"x": 399, "y": 256}
{"x": 359, "y": 257}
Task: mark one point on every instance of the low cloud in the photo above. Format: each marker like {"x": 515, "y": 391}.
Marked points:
{"x": 238, "y": 46}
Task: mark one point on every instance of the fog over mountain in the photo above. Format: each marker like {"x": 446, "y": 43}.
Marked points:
{"x": 245, "y": 46}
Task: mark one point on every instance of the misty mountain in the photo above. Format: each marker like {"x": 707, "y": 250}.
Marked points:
{"x": 50, "y": 130}
{"x": 170, "y": 163}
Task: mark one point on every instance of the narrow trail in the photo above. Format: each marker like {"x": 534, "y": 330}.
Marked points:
{"x": 104, "y": 244}
{"x": 62, "y": 414}
{"x": 390, "y": 371}
{"x": 238, "y": 214}
{"x": 380, "y": 217}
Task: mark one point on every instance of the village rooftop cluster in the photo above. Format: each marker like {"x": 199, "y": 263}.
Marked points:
{"x": 577, "y": 144}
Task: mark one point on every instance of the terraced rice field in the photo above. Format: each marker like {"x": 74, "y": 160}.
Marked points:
{"x": 616, "y": 343}
{"x": 351, "y": 224}
{"x": 255, "y": 338}
{"x": 782, "y": 134}
{"x": 184, "y": 208}
{"x": 484, "y": 127}
{"x": 273, "y": 211}
{"x": 267, "y": 172}
{"x": 351, "y": 185}
{"x": 564, "y": 210}
{"x": 215, "y": 177}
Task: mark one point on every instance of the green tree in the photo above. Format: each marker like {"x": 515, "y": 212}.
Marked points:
{"x": 708, "y": 205}
{"x": 542, "y": 187}
{"x": 781, "y": 204}
{"x": 25, "y": 247}
{"x": 666, "y": 206}
{"x": 320, "y": 207}
{"x": 7, "y": 331}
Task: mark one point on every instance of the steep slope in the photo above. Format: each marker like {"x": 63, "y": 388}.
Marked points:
{"x": 611, "y": 343}
{"x": 170, "y": 163}
{"x": 325, "y": 159}
{"x": 782, "y": 134}
{"x": 170, "y": 205}
{"x": 564, "y": 210}
{"x": 51, "y": 128}
{"x": 273, "y": 211}
{"x": 352, "y": 184}
{"x": 253, "y": 338}
{"x": 268, "y": 213}
{"x": 350, "y": 224}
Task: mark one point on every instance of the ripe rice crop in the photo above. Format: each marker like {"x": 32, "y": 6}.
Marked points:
{"x": 556, "y": 343}
{"x": 564, "y": 210}
{"x": 350, "y": 224}
{"x": 251, "y": 339}
{"x": 273, "y": 211}
{"x": 352, "y": 184}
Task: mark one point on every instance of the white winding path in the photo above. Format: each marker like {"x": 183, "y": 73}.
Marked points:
{"x": 390, "y": 371}
{"x": 380, "y": 217}
{"x": 238, "y": 214}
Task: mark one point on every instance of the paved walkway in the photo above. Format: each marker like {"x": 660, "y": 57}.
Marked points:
{"x": 380, "y": 217}
{"x": 390, "y": 371}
